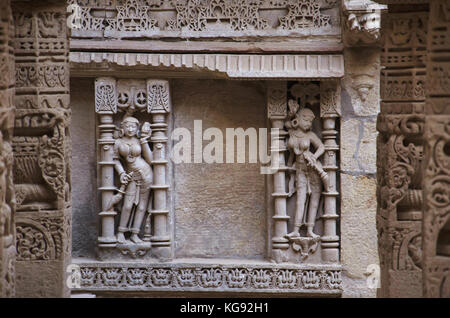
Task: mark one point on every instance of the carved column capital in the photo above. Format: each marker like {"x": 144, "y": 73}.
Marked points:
{"x": 361, "y": 22}
{"x": 158, "y": 100}
{"x": 330, "y": 105}
{"x": 276, "y": 99}
{"x": 105, "y": 95}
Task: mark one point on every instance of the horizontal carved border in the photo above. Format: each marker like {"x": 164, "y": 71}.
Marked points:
{"x": 233, "y": 66}
{"x": 254, "y": 278}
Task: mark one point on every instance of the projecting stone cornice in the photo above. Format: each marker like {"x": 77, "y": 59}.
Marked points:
{"x": 232, "y": 66}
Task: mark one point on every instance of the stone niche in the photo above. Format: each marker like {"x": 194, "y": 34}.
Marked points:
{"x": 209, "y": 227}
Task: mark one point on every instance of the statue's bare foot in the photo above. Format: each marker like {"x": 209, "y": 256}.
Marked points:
{"x": 293, "y": 234}
{"x": 121, "y": 238}
{"x": 135, "y": 238}
{"x": 312, "y": 234}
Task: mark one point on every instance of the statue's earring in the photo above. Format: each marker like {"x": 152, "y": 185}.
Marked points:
{"x": 294, "y": 122}
{"x": 121, "y": 133}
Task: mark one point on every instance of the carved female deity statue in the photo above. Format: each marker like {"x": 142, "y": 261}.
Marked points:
{"x": 132, "y": 158}
{"x": 309, "y": 173}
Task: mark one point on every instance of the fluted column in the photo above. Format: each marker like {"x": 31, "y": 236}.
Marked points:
{"x": 106, "y": 107}
{"x": 159, "y": 106}
{"x": 329, "y": 112}
{"x": 277, "y": 112}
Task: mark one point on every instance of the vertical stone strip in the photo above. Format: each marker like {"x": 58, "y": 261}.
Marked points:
{"x": 106, "y": 107}
{"x": 400, "y": 152}
{"x": 42, "y": 149}
{"x": 7, "y": 199}
{"x": 436, "y": 179}
{"x": 330, "y": 109}
{"x": 360, "y": 102}
{"x": 159, "y": 106}
{"x": 277, "y": 113}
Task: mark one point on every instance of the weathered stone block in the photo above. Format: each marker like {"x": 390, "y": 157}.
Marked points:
{"x": 358, "y": 230}
{"x": 358, "y": 145}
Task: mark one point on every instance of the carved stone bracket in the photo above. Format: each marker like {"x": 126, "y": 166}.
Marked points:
{"x": 362, "y": 22}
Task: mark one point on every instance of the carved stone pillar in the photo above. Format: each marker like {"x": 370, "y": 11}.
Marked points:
{"x": 400, "y": 153}
{"x": 277, "y": 113}
{"x": 436, "y": 178}
{"x": 330, "y": 110}
{"x": 7, "y": 199}
{"x": 42, "y": 149}
{"x": 362, "y": 32}
{"x": 159, "y": 106}
{"x": 106, "y": 107}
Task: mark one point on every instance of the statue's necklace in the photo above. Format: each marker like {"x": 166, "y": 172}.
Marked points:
{"x": 302, "y": 134}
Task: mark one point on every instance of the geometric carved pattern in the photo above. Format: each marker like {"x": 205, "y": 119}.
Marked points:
{"x": 304, "y": 14}
{"x": 158, "y": 96}
{"x": 195, "y": 15}
{"x": 400, "y": 149}
{"x": 132, "y": 17}
{"x": 105, "y": 96}
{"x": 170, "y": 18}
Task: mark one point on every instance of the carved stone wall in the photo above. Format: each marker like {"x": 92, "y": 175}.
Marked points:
{"x": 400, "y": 152}
{"x": 42, "y": 149}
{"x": 7, "y": 200}
{"x": 436, "y": 167}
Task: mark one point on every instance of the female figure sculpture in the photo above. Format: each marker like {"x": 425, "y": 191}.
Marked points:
{"x": 309, "y": 173}
{"x": 132, "y": 158}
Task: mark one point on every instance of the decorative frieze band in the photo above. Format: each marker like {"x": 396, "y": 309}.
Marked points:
{"x": 254, "y": 278}
{"x": 206, "y": 18}
{"x": 233, "y": 66}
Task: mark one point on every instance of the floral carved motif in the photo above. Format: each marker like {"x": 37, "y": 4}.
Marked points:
{"x": 210, "y": 278}
{"x": 196, "y": 15}
{"x": 304, "y": 14}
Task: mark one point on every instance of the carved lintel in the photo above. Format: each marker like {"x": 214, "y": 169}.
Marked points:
{"x": 362, "y": 22}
